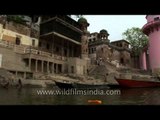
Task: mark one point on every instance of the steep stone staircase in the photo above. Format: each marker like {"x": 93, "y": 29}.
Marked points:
{"x": 101, "y": 71}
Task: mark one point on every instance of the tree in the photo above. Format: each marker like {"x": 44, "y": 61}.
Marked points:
{"x": 75, "y": 16}
{"x": 138, "y": 40}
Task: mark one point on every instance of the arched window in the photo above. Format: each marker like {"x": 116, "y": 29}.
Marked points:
{"x": 122, "y": 61}
{"x": 18, "y": 41}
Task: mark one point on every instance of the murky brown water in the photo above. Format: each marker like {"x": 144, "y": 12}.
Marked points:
{"x": 29, "y": 96}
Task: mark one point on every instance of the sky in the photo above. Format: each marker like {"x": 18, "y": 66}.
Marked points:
{"x": 114, "y": 24}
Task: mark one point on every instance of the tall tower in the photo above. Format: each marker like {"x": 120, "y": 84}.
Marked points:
{"x": 152, "y": 30}
{"x": 103, "y": 34}
{"x": 84, "y": 38}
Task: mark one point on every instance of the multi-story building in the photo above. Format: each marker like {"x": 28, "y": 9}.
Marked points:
{"x": 17, "y": 34}
{"x": 19, "y": 30}
{"x": 100, "y": 47}
{"x": 52, "y": 45}
{"x": 64, "y": 39}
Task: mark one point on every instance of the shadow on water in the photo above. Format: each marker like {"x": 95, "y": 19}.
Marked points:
{"x": 29, "y": 96}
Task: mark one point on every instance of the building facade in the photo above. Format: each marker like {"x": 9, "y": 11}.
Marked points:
{"x": 152, "y": 30}
{"x": 53, "y": 45}
{"x": 116, "y": 52}
{"x": 19, "y": 30}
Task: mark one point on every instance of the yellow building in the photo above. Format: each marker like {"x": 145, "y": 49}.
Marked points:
{"x": 17, "y": 33}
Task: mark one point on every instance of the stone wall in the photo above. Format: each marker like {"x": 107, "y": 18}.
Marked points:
{"x": 116, "y": 55}
{"x": 126, "y": 57}
{"x": 34, "y": 33}
{"x": 12, "y": 61}
{"x": 19, "y": 28}
{"x": 79, "y": 65}
{"x": 107, "y": 53}
{"x": 104, "y": 52}
{"x": 10, "y": 36}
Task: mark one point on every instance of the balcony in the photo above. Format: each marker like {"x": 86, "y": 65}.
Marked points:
{"x": 42, "y": 55}
{"x": 148, "y": 27}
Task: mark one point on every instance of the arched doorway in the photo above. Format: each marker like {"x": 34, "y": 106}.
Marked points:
{"x": 122, "y": 61}
{"x": 18, "y": 41}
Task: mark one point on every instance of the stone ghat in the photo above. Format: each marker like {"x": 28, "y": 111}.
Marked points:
{"x": 138, "y": 77}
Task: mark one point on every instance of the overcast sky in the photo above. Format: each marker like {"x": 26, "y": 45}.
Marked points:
{"x": 114, "y": 24}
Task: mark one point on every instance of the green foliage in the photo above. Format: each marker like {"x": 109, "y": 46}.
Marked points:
{"x": 136, "y": 38}
{"x": 16, "y": 18}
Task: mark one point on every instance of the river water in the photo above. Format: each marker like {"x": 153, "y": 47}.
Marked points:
{"x": 29, "y": 96}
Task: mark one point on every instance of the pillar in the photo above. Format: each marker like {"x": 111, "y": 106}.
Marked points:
{"x": 62, "y": 50}
{"x": 56, "y": 68}
{"x": 53, "y": 44}
{"x": 42, "y": 66}
{"x": 16, "y": 73}
{"x": 52, "y": 68}
{"x": 67, "y": 49}
{"x": 29, "y": 63}
{"x": 144, "y": 65}
{"x": 24, "y": 75}
{"x": 36, "y": 65}
{"x": 63, "y": 68}
{"x": 48, "y": 67}
{"x": 72, "y": 51}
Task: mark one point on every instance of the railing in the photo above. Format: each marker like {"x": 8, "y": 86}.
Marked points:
{"x": 6, "y": 44}
{"x": 46, "y": 54}
{"x": 16, "y": 48}
{"x": 150, "y": 23}
{"x": 22, "y": 49}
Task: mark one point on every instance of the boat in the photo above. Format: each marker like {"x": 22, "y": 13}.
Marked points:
{"x": 90, "y": 86}
{"x": 113, "y": 86}
{"x": 64, "y": 85}
{"x": 133, "y": 83}
{"x": 69, "y": 85}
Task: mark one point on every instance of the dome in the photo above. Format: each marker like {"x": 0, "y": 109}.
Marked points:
{"x": 103, "y": 31}
{"x": 82, "y": 20}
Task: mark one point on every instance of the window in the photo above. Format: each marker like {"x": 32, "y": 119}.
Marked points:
{"x": 89, "y": 50}
{"x": 47, "y": 46}
{"x": 33, "y": 42}
{"x": 120, "y": 44}
{"x": 72, "y": 69}
{"x": 102, "y": 49}
{"x": 86, "y": 42}
{"x": 156, "y": 18}
{"x": 65, "y": 52}
{"x": 18, "y": 41}
{"x": 40, "y": 44}
{"x": 92, "y": 50}
{"x": 57, "y": 49}
{"x": 122, "y": 61}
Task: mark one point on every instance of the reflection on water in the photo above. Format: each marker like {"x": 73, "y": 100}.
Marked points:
{"x": 29, "y": 96}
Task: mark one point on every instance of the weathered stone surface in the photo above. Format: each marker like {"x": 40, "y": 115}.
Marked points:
{"x": 19, "y": 28}
{"x": 6, "y": 77}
